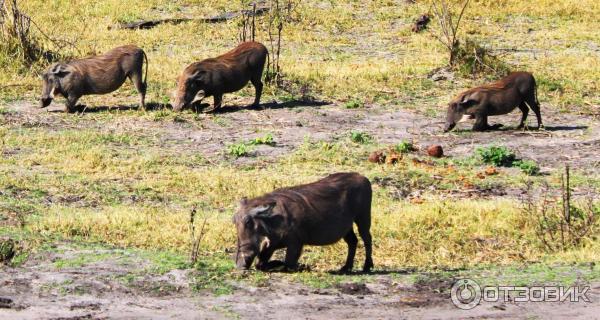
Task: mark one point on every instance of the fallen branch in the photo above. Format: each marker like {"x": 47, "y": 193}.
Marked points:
{"x": 148, "y": 24}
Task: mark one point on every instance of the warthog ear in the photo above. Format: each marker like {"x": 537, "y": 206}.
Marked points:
{"x": 467, "y": 102}
{"x": 199, "y": 76}
{"x": 60, "y": 70}
{"x": 263, "y": 211}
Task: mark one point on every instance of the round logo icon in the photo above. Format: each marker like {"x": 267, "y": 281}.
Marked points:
{"x": 465, "y": 294}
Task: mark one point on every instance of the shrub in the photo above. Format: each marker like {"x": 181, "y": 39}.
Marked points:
{"x": 360, "y": 137}
{"x": 473, "y": 59}
{"x": 238, "y": 150}
{"x": 266, "y": 139}
{"x": 529, "y": 167}
{"x": 354, "y": 104}
{"x": 404, "y": 147}
{"x": 563, "y": 223}
{"x": 496, "y": 155}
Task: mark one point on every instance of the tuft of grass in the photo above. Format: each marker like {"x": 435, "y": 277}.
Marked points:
{"x": 238, "y": 150}
{"x": 404, "y": 147}
{"x": 267, "y": 139}
{"x": 528, "y": 167}
{"x": 360, "y": 137}
{"x": 497, "y": 155}
{"x": 354, "y": 104}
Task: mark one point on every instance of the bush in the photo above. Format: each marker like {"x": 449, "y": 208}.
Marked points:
{"x": 563, "y": 223}
{"x": 404, "y": 147}
{"x": 529, "y": 167}
{"x": 238, "y": 150}
{"x": 360, "y": 137}
{"x": 496, "y": 155}
{"x": 266, "y": 139}
{"x": 473, "y": 59}
{"x": 354, "y": 104}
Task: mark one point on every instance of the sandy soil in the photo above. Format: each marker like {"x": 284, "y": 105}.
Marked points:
{"x": 97, "y": 290}
{"x": 576, "y": 136}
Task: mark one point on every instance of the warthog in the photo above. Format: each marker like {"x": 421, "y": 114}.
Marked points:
{"x": 95, "y": 75}
{"x": 318, "y": 213}
{"x": 518, "y": 89}
{"x": 226, "y": 73}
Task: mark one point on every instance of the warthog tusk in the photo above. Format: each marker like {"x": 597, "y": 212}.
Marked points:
{"x": 465, "y": 118}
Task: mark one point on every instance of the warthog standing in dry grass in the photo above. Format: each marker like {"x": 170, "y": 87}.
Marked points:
{"x": 318, "y": 213}
{"x": 95, "y": 75}
{"x": 518, "y": 89}
{"x": 226, "y": 73}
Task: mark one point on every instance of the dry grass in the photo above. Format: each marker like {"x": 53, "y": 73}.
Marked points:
{"x": 130, "y": 189}
{"x": 344, "y": 50}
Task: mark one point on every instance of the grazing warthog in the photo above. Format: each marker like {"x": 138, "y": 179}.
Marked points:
{"x": 518, "y": 89}
{"x": 95, "y": 75}
{"x": 318, "y": 213}
{"x": 226, "y": 73}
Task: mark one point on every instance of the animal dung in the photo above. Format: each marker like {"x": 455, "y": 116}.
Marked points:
{"x": 435, "y": 151}
{"x": 377, "y": 157}
{"x": 490, "y": 171}
{"x": 393, "y": 158}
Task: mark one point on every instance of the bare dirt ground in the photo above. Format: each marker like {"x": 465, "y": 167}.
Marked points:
{"x": 102, "y": 289}
{"x": 105, "y": 289}
{"x": 567, "y": 139}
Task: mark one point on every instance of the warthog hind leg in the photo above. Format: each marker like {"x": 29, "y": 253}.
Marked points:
{"x": 352, "y": 242}
{"x": 525, "y": 110}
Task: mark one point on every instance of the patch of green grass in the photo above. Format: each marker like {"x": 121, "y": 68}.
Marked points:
{"x": 528, "y": 167}
{"x": 354, "y": 104}
{"x": 404, "y": 147}
{"x": 165, "y": 261}
{"x": 214, "y": 274}
{"x": 360, "y": 137}
{"x": 267, "y": 139}
{"x": 238, "y": 150}
{"x": 496, "y": 155}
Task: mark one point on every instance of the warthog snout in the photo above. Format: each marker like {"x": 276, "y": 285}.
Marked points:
{"x": 45, "y": 101}
{"x": 244, "y": 257}
{"x": 449, "y": 126}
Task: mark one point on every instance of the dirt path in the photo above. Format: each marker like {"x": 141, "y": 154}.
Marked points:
{"x": 114, "y": 284}
{"x": 568, "y": 138}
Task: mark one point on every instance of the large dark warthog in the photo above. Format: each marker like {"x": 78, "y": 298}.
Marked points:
{"x": 518, "y": 89}
{"x": 95, "y": 75}
{"x": 226, "y": 73}
{"x": 318, "y": 213}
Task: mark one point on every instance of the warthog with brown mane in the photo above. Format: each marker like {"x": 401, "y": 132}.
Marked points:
{"x": 518, "y": 89}
{"x": 95, "y": 75}
{"x": 318, "y": 213}
{"x": 226, "y": 73}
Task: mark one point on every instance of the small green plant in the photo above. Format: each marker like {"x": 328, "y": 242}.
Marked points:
{"x": 354, "y": 104}
{"x": 404, "y": 147}
{"x": 529, "y": 167}
{"x": 360, "y": 137}
{"x": 238, "y": 150}
{"x": 266, "y": 139}
{"x": 496, "y": 155}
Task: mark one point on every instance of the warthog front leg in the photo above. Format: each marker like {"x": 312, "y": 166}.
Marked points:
{"x": 71, "y": 103}
{"x": 292, "y": 255}
{"x": 481, "y": 123}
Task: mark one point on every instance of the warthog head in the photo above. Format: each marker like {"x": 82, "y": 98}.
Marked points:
{"x": 254, "y": 224}
{"x": 53, "y": 81}
{"x": 189, "y": 84}
{"x": 457, "y": 113}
